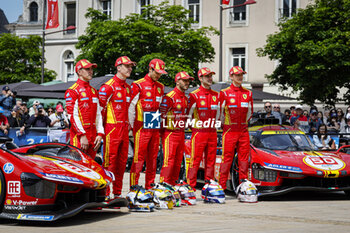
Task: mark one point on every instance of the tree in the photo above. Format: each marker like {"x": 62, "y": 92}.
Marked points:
{"x": 162, "y": 31}
{"x": 20, "y": 59}
{"x": 313, "y": 50}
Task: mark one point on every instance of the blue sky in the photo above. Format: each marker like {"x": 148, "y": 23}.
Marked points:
{"x": 12, "y": 9}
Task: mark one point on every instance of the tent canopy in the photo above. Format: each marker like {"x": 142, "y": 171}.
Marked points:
{"x": 27, "y": 89}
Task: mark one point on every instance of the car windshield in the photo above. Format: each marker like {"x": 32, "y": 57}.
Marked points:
{"x": 61, "y": 152}
{"x": 289, "y": 142}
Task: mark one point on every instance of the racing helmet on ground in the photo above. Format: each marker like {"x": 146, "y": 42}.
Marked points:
{"x": 213, "y": 192}
{"x": 247, "y": 192}
{"x": 188, "y": 196}
{"x": 140, "y": 199}
{"x": 174, "y": 192}
{"x": 162, "y": 197}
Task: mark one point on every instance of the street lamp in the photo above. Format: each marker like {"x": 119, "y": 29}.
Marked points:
{"x": 248, "y": 2}
{"x": 43, "y": 41}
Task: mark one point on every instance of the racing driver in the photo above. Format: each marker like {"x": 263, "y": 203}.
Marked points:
{"x": 235, "y": 101}
{"x": 203, "y": 106}
{"x": 115, "y": 97}
{"x": 173, "y": 109}
{"x": 84, "y": 110}
{"x": 146, "y": 97}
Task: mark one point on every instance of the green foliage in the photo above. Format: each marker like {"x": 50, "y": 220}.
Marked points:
{"x": 313, "y": 50}
{"x": 20, "y": 59}
{"x": 162, "y": 31}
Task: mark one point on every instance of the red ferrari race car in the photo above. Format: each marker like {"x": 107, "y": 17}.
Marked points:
{"x": 283, "y": 159}
{"x": 50, "y": 181}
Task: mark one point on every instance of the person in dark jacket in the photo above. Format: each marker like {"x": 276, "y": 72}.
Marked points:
{"x": 38, "y": 119}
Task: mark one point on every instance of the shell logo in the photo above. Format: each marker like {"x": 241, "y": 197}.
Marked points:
{"x": 8, "y": 202}
{"x": 232, "y": 100}
{"x": 178, "y": 106}
{"x": 202, "y": 102}
{"x": 245, "y": 96}
{"x": 148, "y": 94}
{"x": 119, "y": 95}
{"x": 83, "y": 94}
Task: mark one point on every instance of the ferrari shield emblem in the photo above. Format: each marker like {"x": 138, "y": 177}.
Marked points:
{"x": 159, "y": 90}
{"x": 93, "y": 91}
{"x": 244, "y": 96}
{"x": 214, "y": 98}
{"x": 127, "y": 90}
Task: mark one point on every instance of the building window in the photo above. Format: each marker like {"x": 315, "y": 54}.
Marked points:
{"x": 143, "y": 4}
{"x": 68, "y": 60}
{"x": 71, "y": 16}
{"x": 238, "y": 14}
{"x": 33, "y": 12}
{"x": 239, "y": 57}
{"x": 106, "y": 6}
{"x": 194, "y": 7}
{"x": 287, "y": 8}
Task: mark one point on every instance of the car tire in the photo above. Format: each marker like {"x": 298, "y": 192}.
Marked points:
{"x": 2, "y": 190}
{"x": 234, "y": 173}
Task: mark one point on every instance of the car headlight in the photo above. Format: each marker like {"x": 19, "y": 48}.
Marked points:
{"x": 263, "y": 174}
{"x": 36, "y": 187}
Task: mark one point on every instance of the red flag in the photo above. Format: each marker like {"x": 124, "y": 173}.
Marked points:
{"x": 52, "y": 14}
{"x": 226, "y": 2}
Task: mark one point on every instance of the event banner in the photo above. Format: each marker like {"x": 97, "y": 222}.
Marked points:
{"x": 37, "y": 135}
{"x": 52, "y": 14}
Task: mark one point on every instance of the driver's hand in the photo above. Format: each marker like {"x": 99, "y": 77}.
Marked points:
{"x": 84, "y": 143}
{"x": 97, "y": 142}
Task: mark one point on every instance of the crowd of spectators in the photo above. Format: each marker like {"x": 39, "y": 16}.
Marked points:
{"x": 320, "y": 125}
{"x": 309, "y": 120}
{"x": 15, "y": 113}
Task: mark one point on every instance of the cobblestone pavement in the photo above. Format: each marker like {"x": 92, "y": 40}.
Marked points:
{"x": 295, "y": 212}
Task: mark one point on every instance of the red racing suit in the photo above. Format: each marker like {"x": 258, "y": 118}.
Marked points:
{"x": 173, "y": 109}
{"x": 204, "y": 104}
{"x": 84, "y": 113}
{"x": 146, "y": 97}
{"x": 115, "y": 97}
{"x": 234, "y": 103}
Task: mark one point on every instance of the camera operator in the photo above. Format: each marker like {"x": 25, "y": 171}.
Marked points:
{"x": 58, "y": 119}
{"x": 39, "y": 119}
{"x": 33, "y": 109}
{"x": 7, "y": 100}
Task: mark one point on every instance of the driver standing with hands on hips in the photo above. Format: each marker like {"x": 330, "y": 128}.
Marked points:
{"x": 84, "y": 111}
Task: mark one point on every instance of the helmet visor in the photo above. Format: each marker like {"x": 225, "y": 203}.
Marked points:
{"x": 217, "y": 193}
{"x": 145, "y": 198}
{"x": 251, "y": 192}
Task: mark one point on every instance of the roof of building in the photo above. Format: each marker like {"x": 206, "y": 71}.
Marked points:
{"x": 3, "y": 22}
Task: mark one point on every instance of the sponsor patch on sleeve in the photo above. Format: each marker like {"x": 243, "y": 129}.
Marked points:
{"x": 244, "y": 104}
